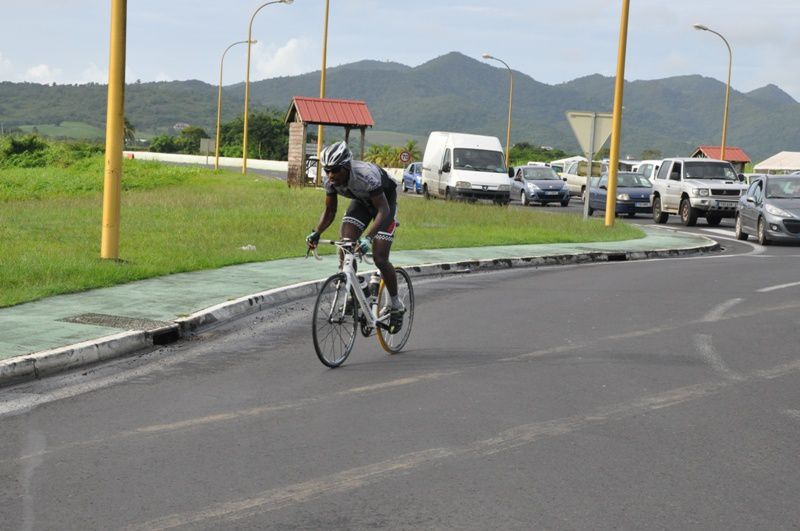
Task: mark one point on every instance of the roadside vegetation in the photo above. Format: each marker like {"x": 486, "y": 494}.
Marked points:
{"x": 181, "y": 218}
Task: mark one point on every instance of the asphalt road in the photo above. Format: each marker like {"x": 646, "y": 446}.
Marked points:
{"x": 627, "y": 395}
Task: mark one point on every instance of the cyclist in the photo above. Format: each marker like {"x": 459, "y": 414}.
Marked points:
{"x": 373, "y": 197}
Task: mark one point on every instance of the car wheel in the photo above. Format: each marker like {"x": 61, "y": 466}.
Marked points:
{"x": 688, "y": 214}
{"x": 740, "y": 234}
{"x": 448, "y": 195}
{"x": 631, "y": 214}
{"x": 590, "y": 211}
{"x": 762, "y": 232}
{"x": 425, "y": 192}
{"x": 713, "y": 219}
{"x": 583, "y": 194}
{"x": 658, "y": 215}
{"x": 565, "y": 203}
{"x": 523, "y": 198}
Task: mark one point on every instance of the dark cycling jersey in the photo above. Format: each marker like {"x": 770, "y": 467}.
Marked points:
{"x": 366, "y": 180}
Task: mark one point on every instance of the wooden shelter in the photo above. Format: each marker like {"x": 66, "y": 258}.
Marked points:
{"x": 734, "y": 155}
{"x": 303, "y": 111}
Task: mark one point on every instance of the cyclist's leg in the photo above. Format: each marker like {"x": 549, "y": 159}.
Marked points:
{"x": 382, "y": 245}
{"x": 354, "y": 222}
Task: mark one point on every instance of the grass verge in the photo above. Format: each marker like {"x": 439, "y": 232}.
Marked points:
{"x": 177, "y": 219}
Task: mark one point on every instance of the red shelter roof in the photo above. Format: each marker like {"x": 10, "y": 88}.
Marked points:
{"x": 732, "y": 154}
{"x": 324, "y": 111}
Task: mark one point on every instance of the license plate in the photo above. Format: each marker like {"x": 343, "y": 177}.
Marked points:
{"x": 642, "y": 204}
{"x": 551, "y": 193}
{"x": 726, "y": 204}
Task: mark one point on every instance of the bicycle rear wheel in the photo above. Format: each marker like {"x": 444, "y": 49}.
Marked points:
{"x": 334, "y": 325}
{"x": 394, "y": 343}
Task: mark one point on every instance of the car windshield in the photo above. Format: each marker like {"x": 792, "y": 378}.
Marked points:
{"x": 783, "y": 188}
{"x": 479, "y": 160}
{"x": 633, "y": 180}
{"x": 709, "y": 170}
{"x": 540, "y": 173}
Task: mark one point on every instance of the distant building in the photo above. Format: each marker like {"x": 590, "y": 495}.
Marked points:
{"x": 734, "y": 155}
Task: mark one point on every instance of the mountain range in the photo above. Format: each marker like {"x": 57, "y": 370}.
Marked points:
{"x": 452, "y": 92}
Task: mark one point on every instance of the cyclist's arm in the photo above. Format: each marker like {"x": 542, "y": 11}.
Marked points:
{"x": 382, "y": 205}
{"x": 329, "y": 214}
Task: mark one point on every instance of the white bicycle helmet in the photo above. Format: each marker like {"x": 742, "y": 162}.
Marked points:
{"x": 335, "y": 155}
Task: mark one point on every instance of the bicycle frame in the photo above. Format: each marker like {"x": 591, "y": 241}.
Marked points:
{"x": 352, "y": 286}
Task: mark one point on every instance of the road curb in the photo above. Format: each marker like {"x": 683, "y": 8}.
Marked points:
{"x": 48, "y": 362}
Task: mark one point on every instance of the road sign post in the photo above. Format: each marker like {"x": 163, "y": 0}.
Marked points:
{"x": 591, "y": 130}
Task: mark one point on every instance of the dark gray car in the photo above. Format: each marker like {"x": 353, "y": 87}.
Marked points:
{"x": 539, "y": 184}
{"x": 770, "y": 209}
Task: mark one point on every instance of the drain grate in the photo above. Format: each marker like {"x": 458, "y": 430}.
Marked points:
{"x": 115, "y": 321}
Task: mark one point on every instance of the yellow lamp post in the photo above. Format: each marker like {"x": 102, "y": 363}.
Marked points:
{"x": 219, "y": 100}
{"x": 701, "y": 27}
{"x": 320, "y": 129}
{"x": 616, "y": 119}
{"x": 112, "y": 180}
{"x": 247, "y": 77}
{"x": 510, "y": 98}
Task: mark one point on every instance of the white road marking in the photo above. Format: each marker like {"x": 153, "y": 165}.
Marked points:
{"x": 777, "y": 287}
{"x": 515, "y": 437}
{"x": 793, "y": 413}
{"x": 706, "y": 348}
{"x": 718, "y": 311}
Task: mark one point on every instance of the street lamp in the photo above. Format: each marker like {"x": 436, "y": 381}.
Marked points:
{"x": 510, "y": 97}
{"x": 247, "y": 77}
{"x": 219, "y": 98}
{"x": 320, "y": 129}
{"x": 701, "y": 27}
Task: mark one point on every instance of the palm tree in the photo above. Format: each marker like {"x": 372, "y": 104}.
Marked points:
{"x": 129, "y": 131}
{"x": 412, "y": 147}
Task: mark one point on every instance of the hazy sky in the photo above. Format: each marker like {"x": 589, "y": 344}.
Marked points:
{"x": 66, "y": 41}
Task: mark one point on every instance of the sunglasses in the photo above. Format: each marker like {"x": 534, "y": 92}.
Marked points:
{"x": 333, "y": 169}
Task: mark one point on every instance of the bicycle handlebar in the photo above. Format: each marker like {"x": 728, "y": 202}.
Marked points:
{"x": 348, "y": 246}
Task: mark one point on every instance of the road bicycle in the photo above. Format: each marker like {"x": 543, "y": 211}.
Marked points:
{"x": 347, "y": 301}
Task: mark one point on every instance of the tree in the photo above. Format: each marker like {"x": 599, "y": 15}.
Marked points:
{"x": 650, "y": 154}
{"x": 189, "y": 139}
{"x": 163, "y": 144}
{"x": 268, "y": 136}
{"x": 412, "y": 147}
{"x": 129, "y": 132}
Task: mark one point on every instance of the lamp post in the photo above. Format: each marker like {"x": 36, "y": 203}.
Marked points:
{"x": 320, "y": 129}
{"x": 115, "y": 117}
{"x": 701, "y": 27}
{"x": 219, "y": 99}
{"x": 510, "y": 98}
{"x": 247, "y": 77}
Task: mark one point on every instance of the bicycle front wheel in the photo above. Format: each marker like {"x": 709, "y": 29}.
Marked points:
{"x": 394, "y": 343}
{"x": 334, "y": 323}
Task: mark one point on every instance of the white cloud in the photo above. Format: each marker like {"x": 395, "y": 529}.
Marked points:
{"x": 42, "y": 74}
{"x": 93, "y": 74}
{"x": 288, "y": 60}
{"x": 6, "y": 67}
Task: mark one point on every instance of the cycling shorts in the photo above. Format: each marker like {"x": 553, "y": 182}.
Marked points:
{"x": 360, "y": 214}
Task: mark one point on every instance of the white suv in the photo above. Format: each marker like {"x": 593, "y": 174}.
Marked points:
{"x": 694, "y": 187}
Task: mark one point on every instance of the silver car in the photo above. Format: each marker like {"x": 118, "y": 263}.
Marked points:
{"x": 770, "y": 209}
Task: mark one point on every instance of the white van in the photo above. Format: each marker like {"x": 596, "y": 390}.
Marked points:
{"x": 648, "y": 168}
{"x": 458, "y": 165}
